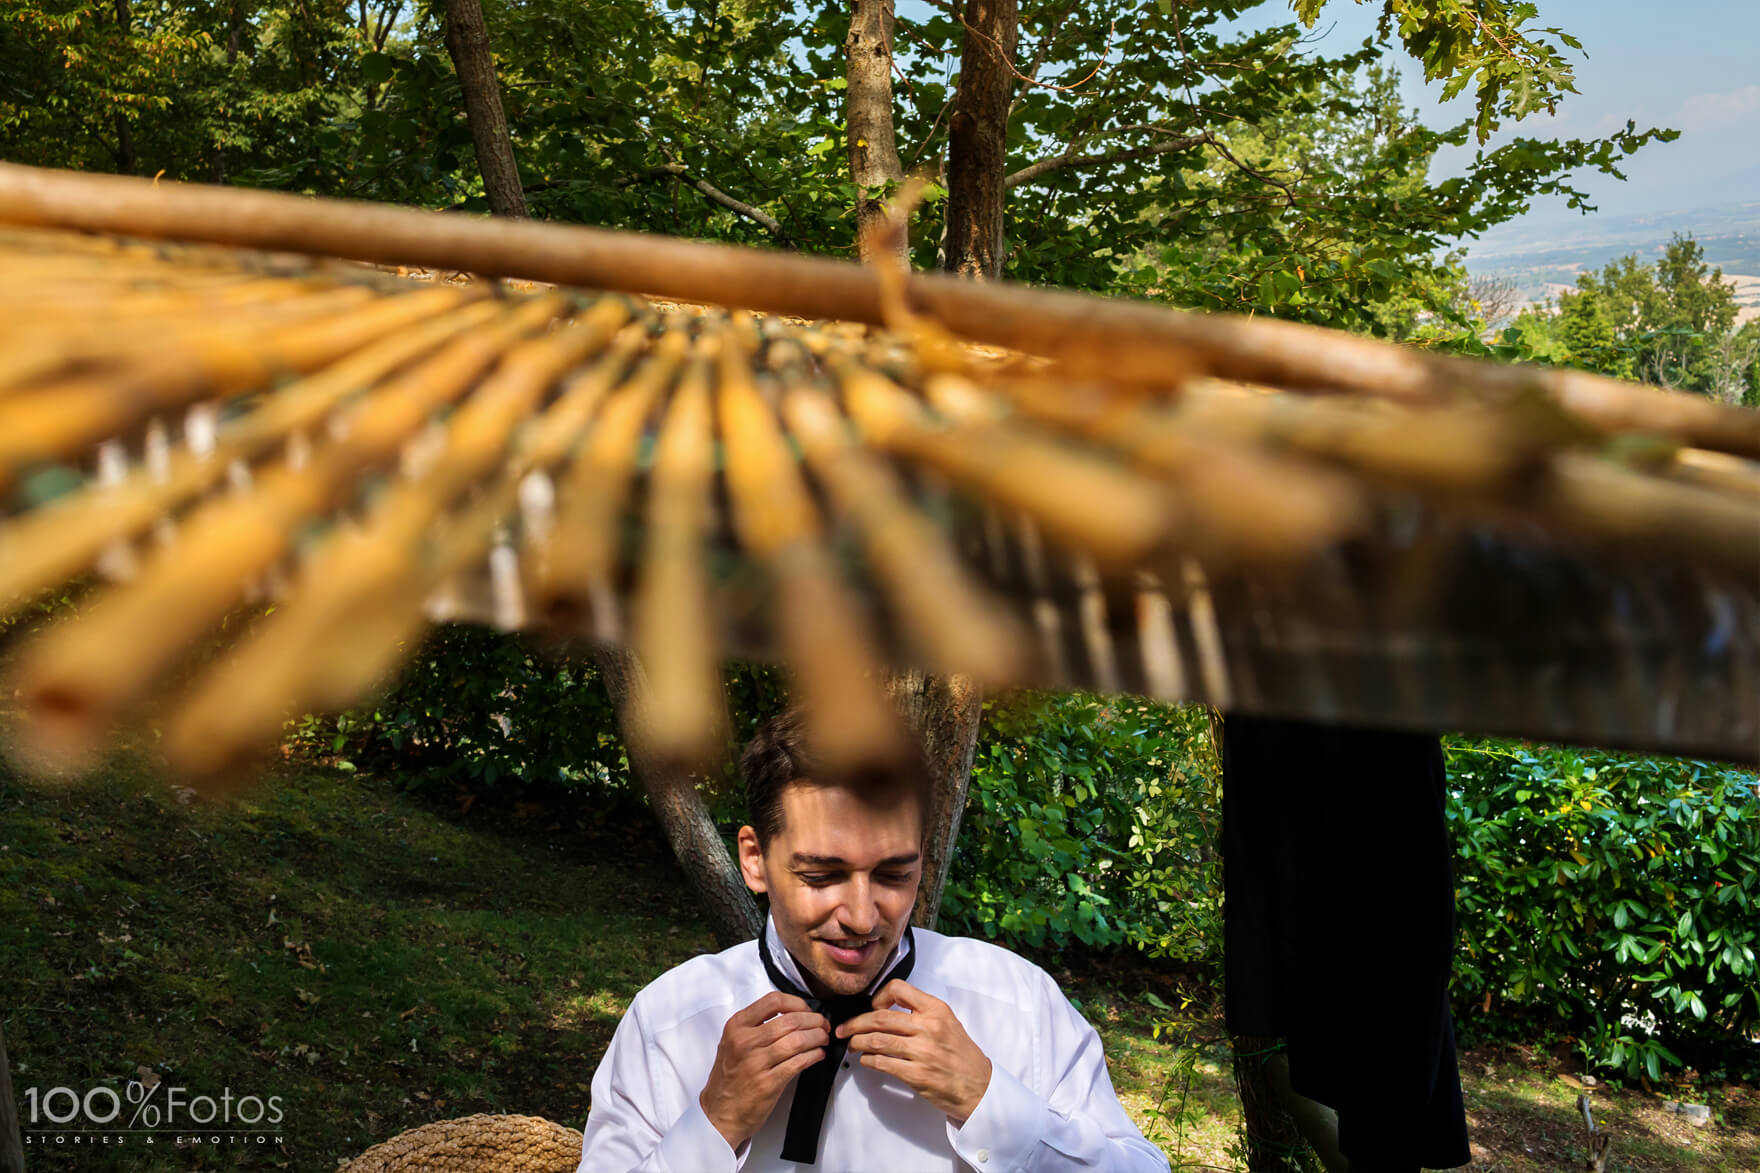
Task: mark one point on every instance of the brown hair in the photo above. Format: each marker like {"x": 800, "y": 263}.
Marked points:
{"x": 778, "y": 756}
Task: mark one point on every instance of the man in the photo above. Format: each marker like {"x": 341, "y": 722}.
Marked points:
{"x": 844, "y": 1040}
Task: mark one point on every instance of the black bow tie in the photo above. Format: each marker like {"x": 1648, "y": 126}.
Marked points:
{"x": 812, "y": 1090}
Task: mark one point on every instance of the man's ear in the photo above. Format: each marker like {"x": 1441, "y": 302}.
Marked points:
{"x": 751, "y": 861}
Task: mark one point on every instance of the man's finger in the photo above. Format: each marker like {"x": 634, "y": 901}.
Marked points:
{"x": 792, "y": 1043}
{"x": 889, "y": 1021}
{"x": 800, "y": 1062}
{"x": 887, "y": 1065}
{"x": 771, "y": 1004}
{"x": 899, "y": 992}
{"x": 786, "y": 1024}
{"x": 875, "y": 1043}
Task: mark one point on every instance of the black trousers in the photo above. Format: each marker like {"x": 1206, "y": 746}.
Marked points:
{"x": 1339, "y": 889}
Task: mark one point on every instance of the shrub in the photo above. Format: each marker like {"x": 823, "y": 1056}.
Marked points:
{"x": 476, "y": 708}
{"x": 1091, "y": 820}
{"x": 1613, "y": 896}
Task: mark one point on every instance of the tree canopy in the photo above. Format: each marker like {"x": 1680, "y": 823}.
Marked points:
{"x": 1672, "y": 322}
{"x": 1169, "y": 150}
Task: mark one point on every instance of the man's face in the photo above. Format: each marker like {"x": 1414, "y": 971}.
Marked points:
{"x": 842, "y": 878}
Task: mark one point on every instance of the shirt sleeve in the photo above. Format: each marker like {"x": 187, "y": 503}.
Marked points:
{"x": 1078, "y": 1124}
{"x": 643, "y": 1120}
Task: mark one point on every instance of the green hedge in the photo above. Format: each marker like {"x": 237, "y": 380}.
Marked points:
{"x": 1609, "y": 896}
{"x": 477, "y": 708}
{"x": 1607, "y": 899}
{"x": 1091, "y": 820}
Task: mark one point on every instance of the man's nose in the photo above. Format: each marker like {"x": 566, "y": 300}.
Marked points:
{"x": 860, "y": 915}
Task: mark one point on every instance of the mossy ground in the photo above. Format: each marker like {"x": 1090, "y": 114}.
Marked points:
{"x": 377, "y": 961}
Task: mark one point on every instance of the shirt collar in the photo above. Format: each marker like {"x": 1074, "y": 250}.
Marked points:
{"x": 786, "y": 963}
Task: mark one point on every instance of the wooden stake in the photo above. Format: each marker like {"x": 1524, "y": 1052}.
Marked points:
{"x": 1600, "y": 1143}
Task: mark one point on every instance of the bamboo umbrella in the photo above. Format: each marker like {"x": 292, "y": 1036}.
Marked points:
{"x": 208, "y": 400}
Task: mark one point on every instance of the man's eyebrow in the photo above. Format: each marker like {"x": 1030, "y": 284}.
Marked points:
{"x": 801, "y": 859}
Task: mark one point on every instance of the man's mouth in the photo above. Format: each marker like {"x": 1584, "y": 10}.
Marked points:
{"x": 850, "y": 950}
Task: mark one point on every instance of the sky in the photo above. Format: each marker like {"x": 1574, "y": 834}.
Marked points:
{"x": 1691, "y": 65}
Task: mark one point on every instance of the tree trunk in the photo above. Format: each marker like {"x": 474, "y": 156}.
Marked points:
{"x": 235, "y": 19}
{"x": 11, "y": 1143}
{"x": 873, "y": 146}
{"x": 467, "y": 39}
{"x": 946, "y": 713}
{"x": 977, "y": 139}
{"x": 696, "y": 844}
{"x": 125, "y": 156}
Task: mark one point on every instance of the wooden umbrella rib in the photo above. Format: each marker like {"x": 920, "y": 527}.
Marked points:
{"x": 77, "y": 676}
{"x": 354, "y": 616}
{"x": 203, "y": 352}
{"x": 305, "y": 403}
{"x": 825, "y": 640}
{"x": 673, "y": 634}
{"x": 1493, "y": 464}
{"x": 551, "y": 437}
{"x": 571, "y": 572}
{"x": 1237, "y": 504}
{"x": 58, "y": 419}
{"x": 1469, "y": 449}
{"x": 374, "y": 425}
{"x": 950, "y": 619}
{"x": 48, "y": 545}
{"x": 478, "y": 433}
{"x": 771, "y": 505}
{"x": 100, "y": 334}
{"x": 357, "y": 609}
{"x": 1116, "y": 515}
{"x": 1716, "y": 470}
{"x": 89, "y": 308}
{"x": 1598, "y": 500}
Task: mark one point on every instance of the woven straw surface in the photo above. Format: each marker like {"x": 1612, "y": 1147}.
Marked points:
{"x": 1011, "y": 484}
{"x": 476, "y": 1144}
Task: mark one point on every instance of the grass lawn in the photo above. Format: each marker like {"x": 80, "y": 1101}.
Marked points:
{"x": 376, "y": 961}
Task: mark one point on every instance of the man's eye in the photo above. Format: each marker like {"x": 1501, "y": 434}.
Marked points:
{"x": 895, "y": 877}
{"x": 816, "y": 878}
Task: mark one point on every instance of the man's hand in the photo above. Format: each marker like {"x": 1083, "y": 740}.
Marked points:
{"x": 762, "y": 1048}
{"x": 927, "y": 1048}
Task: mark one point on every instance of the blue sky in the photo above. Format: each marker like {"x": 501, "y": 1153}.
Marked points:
{"x": 1693, "y": 65}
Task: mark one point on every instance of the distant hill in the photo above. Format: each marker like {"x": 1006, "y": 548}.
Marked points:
{"x": 1538, "y": 255}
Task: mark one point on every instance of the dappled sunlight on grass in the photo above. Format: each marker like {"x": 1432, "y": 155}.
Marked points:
{"x": 375, "y": 961}
{"x": 585, "y": 1010}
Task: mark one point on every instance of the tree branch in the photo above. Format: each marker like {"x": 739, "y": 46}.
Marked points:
{"x": 1033, "y": 171}
{"x": 1289, "y": 193}
{"x": 679, "y": 171}
{"x": 1045, "y": 42}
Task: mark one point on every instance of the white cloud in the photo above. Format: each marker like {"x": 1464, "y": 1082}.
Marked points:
{"x": 1706, "y": 112}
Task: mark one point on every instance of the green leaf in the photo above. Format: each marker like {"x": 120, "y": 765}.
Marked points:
{"x": 377, "y": 68}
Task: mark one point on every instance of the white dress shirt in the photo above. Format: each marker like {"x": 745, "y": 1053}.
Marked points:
{"x": 1049, "y": 1106}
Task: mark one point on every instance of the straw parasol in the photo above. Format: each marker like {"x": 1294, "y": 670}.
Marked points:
{"x": 212, "y": 397}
